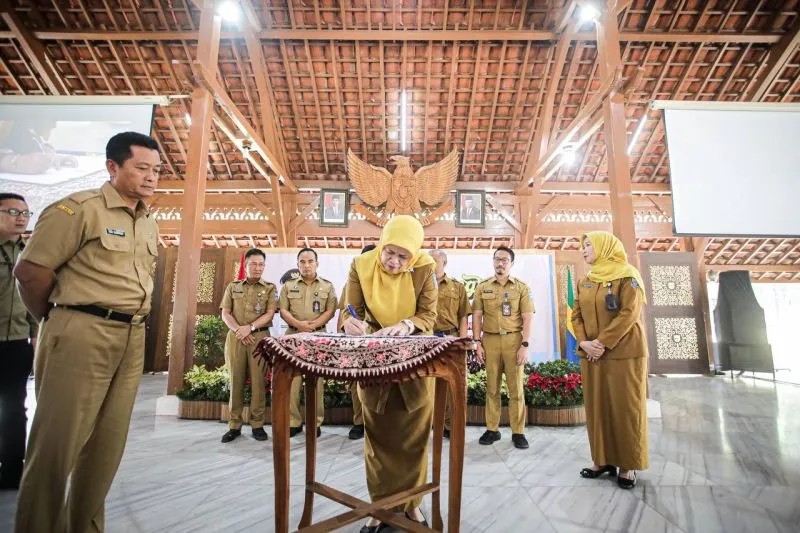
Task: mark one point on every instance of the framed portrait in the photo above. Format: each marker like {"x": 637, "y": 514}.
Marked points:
{"x": 334, "y": 208}
{"x": 470, "y": 211}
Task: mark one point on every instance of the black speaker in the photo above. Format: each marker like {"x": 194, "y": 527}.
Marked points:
{"x": 740, "y": 325}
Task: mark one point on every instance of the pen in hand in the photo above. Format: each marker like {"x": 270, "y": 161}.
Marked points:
{"x": 356, "y": 326}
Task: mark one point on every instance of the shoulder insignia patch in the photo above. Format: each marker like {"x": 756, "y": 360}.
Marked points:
{"x": 634, "y": 283}
{"x": 68, "y": 210}
{"x": 587, "y": 284}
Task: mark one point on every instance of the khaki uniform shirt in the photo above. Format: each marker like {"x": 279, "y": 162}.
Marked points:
{"x": 416, "y": 393}
{"x": 452, "y": 305}
{"x": 621, "y": 332}
{"x": 248, "y": 301}
{"x": 103, "y": 253}
{"x": 490, "y": 296}
{"x": 16, "y": 323}
{"x": 306, "y": 301}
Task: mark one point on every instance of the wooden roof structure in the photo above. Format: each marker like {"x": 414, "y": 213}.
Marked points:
{"x": 507, "y": 82}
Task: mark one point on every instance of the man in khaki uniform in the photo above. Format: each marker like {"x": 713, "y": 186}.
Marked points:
{"x": 88, "y": 271}
{"x": 503, "y": 312}
{"x": 452, "y": 310}
{"x": 357, "y": 430}
{"x": 17, "y": 340}
{"x": 247, "y": 309}
{"x": 307, "y": 304}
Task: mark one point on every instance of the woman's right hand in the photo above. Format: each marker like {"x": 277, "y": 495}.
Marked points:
{"x": 592, "y": 350}
{"x": 353, "y": 326}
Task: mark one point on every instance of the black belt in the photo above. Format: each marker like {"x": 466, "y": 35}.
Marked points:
{"x": 108, "y": 314}
{"x": 259, "y": 330}
{"x": 443, "y": 332}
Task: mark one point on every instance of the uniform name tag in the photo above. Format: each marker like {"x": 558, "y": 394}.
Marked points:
{"x": 117, "y": 232}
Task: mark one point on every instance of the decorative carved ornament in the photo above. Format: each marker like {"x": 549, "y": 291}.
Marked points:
{"x": 405, "y": 191}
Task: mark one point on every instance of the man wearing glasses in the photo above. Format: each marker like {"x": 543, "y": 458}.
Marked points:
{"x": 17, "y": 340}
{"x": 502, "y": 309}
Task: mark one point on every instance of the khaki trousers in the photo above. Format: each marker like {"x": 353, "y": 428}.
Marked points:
{"x": 358, "y": 415}
{"x": 396, "y": 446}
{"x": 501, "y": 357}
{"x": 296, "y": 415}
{"x": 241, "y": 362}
{"x": 87, "y": 371}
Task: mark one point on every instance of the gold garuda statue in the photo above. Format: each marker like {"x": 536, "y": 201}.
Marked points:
{"x": 405, "y": 190}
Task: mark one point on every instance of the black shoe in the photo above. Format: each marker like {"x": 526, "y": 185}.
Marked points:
{"x": 424, "y": 521}
{"x": 446, "y": 434}
{"x": 260, "y": 434}
{"x": 489, "y": 437}
{"x": 625, "y": 483}
{"x": 319, "y": 432}
{"x": 231, "y": 434}
{"x": 590, "y": 473}
{"x": 293, "y": 432}
{"x": 356, "y": 432}
{"x": 374, "y": 529}
{"x": 519, "y": 441}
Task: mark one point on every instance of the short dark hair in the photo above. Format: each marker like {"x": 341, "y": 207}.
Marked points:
{"x": 11, "y": 196}
{"x": 307, "y": 249}
{"x": 504, "y": 249}
{"x": 254, "y": 251}
{"x": 118, "y": 148}
{"x": 368, "y": 248}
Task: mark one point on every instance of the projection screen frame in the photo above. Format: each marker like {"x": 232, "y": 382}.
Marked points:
{"x": 664, "y": 105}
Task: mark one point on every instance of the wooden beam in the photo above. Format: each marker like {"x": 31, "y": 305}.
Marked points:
{"x": 289, "y": 34}
{"x": 240, "y": 121}
{"x": 185, "y": 306}
{"x": 779, "y": 55}
{"x": 35, "y": 50}
{"x": 549, "y": 187}
{"x": 616, "y": 135}
{"x": 755, "y": 268}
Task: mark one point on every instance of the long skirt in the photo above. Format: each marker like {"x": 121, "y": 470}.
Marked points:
{"x": 615, "y": 396}
{"x": 396, "y": 448}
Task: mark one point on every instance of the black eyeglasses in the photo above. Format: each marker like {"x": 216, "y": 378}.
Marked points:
{"x": 16, "y": 212}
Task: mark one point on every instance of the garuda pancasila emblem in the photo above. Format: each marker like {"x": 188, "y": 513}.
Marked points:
{"x": 404, "y": 191}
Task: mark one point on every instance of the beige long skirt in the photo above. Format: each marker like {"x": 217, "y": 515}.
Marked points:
{"x": 615, "y": 394}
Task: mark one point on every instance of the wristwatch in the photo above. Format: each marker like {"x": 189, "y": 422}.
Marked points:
{"x": 409, "y": 324}
{"x": 525, "y": 344}
{"x": 252, "y": 328}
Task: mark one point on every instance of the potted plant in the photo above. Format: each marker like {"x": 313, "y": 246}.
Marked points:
{"x": 203, "y": 393}
{"x": 554, "y": 394}
{"x": 338, "y": 402}
{"x": 209, "y": 342}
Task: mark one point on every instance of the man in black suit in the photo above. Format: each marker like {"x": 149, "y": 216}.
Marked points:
{"x": 468, "y": 210}
{"x": 334, "y": 211}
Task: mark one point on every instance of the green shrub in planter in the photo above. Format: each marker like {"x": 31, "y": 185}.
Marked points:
{"x": 209, "y": 342}
{"x": 204, "y": 384}
{"x": 337, "y": 394}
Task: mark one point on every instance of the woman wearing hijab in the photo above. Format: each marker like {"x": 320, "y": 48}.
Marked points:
{"x": 608, "y": 326}
{"x": 393, "y": 292}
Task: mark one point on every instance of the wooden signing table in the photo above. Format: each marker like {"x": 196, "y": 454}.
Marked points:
{"x": 368, "y": 360}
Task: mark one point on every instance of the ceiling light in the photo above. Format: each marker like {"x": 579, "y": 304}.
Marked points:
{"x": 638, "y": 132}
{"x": 588, "y": 13}
{"x": 187, "y": 118}
{"x": 568, "y": 154}
{"x": 229, "y": 11}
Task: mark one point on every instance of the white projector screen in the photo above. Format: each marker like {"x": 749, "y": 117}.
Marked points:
{"x": 734, "y": 168}
{"x": 49, "y": 150}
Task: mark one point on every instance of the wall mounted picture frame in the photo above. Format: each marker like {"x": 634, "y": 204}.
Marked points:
{"x": 470, "y": 209}
{"x": 334, "y": 208}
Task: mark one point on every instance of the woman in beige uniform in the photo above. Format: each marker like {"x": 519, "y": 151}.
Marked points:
{"x": 608, "y": 326}
{"x": 393, "y": 289}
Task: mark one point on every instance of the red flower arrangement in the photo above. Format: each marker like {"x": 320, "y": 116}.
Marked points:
{"x": 554, "y": 384}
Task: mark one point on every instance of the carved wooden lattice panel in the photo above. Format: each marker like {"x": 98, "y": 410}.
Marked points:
{"x": 674, "y": 319}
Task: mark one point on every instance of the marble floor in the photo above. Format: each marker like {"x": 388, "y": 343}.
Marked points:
{"x": 725, "y": 456}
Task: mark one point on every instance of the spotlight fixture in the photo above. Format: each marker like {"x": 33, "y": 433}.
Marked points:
{"x": 229, "y": 11}
{"x": 568, "y": 154}
{"x": 588, "y": 13}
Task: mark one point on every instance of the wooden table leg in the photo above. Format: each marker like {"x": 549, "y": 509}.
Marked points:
{"x": 458, "y": 422}
{"x": 311, "y": 448}
{"x": 281, "y": 386}
{"x": 440, "y": 400}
